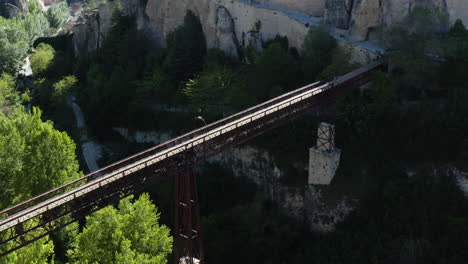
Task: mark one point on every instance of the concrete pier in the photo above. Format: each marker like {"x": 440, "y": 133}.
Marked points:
{"x": 324, "y": 158}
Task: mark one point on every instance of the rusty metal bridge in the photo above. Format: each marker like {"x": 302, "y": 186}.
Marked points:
{"x": 33, "y": 219}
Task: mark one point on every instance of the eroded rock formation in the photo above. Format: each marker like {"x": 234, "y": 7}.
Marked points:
{"x": 304, "y": 204}
{"x": 225, "y": 34}
{"x": 11, "y": 8}
{"x": 362, "y": 17}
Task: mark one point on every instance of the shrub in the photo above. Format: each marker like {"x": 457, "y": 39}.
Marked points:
{"x": 62, "y": 88}
{"x": 42, "y": 58}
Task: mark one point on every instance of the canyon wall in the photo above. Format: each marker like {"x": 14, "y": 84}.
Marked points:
{"x": 313, "y": 7}
{"x": 304, "y": 203}
{"x": 361, "y": 17}
{"x": 165, "y": 15}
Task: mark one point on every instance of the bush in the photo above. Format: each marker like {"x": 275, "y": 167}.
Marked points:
{"x": 58, "y": 14}
{"x": 62, "y": 88}
{"x": 42, "y": 58}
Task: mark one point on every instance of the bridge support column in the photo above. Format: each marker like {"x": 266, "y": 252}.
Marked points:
{"x": 324, "y": 158}
{"x": 187, "y": 232}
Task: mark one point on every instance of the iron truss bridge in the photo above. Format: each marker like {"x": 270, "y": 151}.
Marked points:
{"x": 33, "y": 219}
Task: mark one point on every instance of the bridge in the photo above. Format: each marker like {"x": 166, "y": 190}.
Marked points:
{"x": 33, "y": 219}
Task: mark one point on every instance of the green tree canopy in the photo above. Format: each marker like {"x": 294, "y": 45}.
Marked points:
{"x": 34, "y": 157}
{"x": 42, "y": 58}
{"x": 186, "y": 48}
{"x": 276, "y": 71}
{"x": 62, "y": 88}
{"x": 18, "y": 34}
{"x": 318, "y": 49}
{"x": 211, "y": 91}
{"x": 7, "y": 87}
{"x": 58, "y": 14}
{"x": 38, "y": 252}
{"x": 129, "y": 234}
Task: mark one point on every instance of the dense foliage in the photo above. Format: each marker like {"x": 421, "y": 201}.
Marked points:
{"x": 42, "y": 58}
{"x": 129, "y": 234}
{"x": 39, "y": 252}
{"x": 413, "y": 115}
{"x": 16, "y": 36}
{"x": 58, "y": 14}
{"x": 34, "y": 156}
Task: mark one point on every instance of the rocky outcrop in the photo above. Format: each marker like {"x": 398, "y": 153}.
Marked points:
{"x": 365, "y": 16}
{"x": 362, "y": 17}
{"x": 165, "y": 15}
{"x": 338, "y": 13}
{"x": 302, "y": 203}
{"x": 11, "y": 8}
{"x": 225, "y": 34}
{"x": 87, "y": 32}
{"x": 91, "y": 28}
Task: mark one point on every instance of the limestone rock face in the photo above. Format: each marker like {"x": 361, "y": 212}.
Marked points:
{"x": 254, "y": 40}
{"x": 105, "y": 20}
{"x": 338, "y": 13}
{"x": 86, "y": 34}
{"x": 313, "y": 7}
{"x": 11, "y": 8}
{"x": 365, "y": 15}
{"x": 225, "y": 34}
{"x": 361, "y": 17}
{"x": 165, "y": 15}
{"x": 458, "y": 9}
{"x": 91, "y": 29}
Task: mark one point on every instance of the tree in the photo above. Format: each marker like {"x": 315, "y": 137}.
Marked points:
{"x": 62, "y": 88}
{"x": 340, "y": 64}
{"x": 415, "y": 48}
{"x": 129, "y": 234}
{"x": 18, "y": 34}
{"x": 42, "y": 58}
{"x": 186, "y": 48}
{"x": 38, "y": 252}
{"x": 318, "y": 49}
{"x": 7, "y": 87}
{"x": 210, "y": 90}
{"x": 275, "y": 68}
{"x": 58, "y": 14}
{"x": 34, "y": 157}
{"x": 13, "y": 46}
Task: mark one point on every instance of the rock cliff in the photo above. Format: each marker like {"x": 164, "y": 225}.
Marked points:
{"x": 362, "y": 17}
{"x": 305, "y": 203}
{"x": 11, "y": 8}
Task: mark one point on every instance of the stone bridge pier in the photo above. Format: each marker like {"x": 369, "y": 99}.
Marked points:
{"x": 324, "y": 158}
